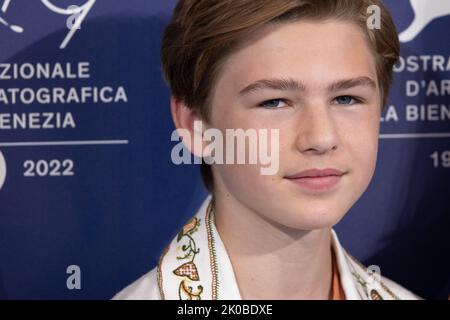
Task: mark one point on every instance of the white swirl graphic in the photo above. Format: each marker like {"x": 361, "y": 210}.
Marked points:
{"x": 78, "y": 12}
{"x": 2, "y": 170}
{"x": 424, "y": 13}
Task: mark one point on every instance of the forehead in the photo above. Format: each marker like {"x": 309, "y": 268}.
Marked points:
{"x": 314, "y": 52}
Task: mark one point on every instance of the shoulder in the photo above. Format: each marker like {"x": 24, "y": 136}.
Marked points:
{"x": 398, "y": 290}
{"x": 144, "y": 288}
{"x": 384, "y": 288}
{"x": 367, "y": 283}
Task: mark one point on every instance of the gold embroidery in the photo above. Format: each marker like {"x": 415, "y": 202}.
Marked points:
{"x": 190, "y": 250}
{"x": 212, "y": 251}
{"x": 189, "y": 227}
{"x": 189, "y": 292}
{"x": 374, "y": 295}
{"x": 364, "y": 284}
{"x": 189, "y": 269}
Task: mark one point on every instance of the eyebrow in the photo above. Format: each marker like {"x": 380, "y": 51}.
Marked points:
{"x": 351, "y": 83}
{"x": 294, "y": 85}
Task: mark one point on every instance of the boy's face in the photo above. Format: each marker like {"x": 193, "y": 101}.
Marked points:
{"x": 320, "y": 126}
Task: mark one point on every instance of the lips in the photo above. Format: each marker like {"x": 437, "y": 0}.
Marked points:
{"x": 316, "y": 179}
{"x": 313, "y": 173}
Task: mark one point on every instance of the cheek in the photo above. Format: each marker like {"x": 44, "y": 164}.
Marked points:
{"x": 226, "y": 115}
{"x": 361, "y": 141}
{"x": 243, "y": 181}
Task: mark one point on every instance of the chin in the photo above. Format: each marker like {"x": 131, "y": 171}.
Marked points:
{"x": 309, "y": 220}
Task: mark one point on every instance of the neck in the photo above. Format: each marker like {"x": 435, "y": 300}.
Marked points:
{"x": 271, "y": 261}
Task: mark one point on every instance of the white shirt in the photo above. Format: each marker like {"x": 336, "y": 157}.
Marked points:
{"x": 196, "y": 266}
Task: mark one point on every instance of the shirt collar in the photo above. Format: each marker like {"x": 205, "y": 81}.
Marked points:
{"x": 196, "y": 266}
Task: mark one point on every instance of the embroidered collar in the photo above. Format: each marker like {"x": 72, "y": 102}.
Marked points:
{"x": 196, "y": 266}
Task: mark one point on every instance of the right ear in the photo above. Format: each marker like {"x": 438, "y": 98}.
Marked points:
{"x": 188, "y": 125}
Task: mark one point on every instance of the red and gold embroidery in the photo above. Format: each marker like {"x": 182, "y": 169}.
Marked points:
{"x": 188, "y": 269}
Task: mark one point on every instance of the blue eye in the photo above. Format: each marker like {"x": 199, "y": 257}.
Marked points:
{"x": 347, "y": 100}
{"x": 272, "y": 104}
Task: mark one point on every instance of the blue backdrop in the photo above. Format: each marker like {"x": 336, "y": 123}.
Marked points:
{"x": 86, "y": 177}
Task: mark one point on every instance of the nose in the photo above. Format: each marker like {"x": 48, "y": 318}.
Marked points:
{"x": 317, "y": 134}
